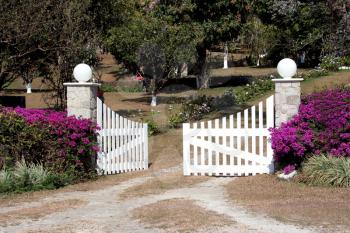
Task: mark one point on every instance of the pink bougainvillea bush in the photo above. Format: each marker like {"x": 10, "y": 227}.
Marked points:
{"x": 61, "y": 143}
{"x": 321, "y": 126}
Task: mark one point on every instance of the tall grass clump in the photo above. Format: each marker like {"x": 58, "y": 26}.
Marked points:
{"x": 323, "y": 170}
{"x": 30, "y": 177}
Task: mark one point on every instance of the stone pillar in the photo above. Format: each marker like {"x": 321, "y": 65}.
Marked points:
{"x": 287, "y": 99}
{"x": 82, "y": 100}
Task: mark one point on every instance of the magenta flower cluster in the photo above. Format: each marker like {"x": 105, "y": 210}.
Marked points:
{"x": 75, "y": 139}
{"x": 321, "y": 126}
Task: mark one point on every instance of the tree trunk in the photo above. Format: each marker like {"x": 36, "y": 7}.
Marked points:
{"x": 226, "y": 56}
{"x": 154, "y": 99}
{"x": 29, "y": 87}
{"x": 184, "y": 70}
{"x": 203, "y": 65}
{"x": 154, "y": 92}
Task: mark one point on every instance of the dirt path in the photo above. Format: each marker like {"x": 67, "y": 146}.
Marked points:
{"x": 103, "y": 210}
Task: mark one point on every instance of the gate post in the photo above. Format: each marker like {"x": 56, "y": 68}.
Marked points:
{"x": 287, "y": 92}
{"x": 82, "y": 96}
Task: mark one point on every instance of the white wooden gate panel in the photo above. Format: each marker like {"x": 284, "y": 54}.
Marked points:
{"x": 123, "y": 143}
{"x": 230, "y": 146}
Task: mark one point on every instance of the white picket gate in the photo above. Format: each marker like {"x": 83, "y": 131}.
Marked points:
{"x": 123, "y": 143}
{"x": 230, "y": 147}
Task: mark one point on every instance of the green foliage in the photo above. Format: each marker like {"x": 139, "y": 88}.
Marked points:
{"x": 325, "y": 170}
{"x": 192, "y": 110}
{"x": 176, "y": 119}
{"x": 258, "y": 37}
{"x": 153, "y": 128}
{"x": 130, "y": 89}
{"x": 314, "y": 74}
{"x": 195, "y": 109}
{"x": 198, "y": 107}
{"x": 345, "y": 61}
{"x": 18, "y": 139}
{"x": 302, "y": 27}
{"x": 23, "y": 177}
{"x": 255, "y": 89}
{"x": 166, "y": 34}
{"x": 330, "y": 63}
{"x": 47, "y": 39}
{"x": 70, "y": 143}
{"x": 227, "y": 99}
{"x": 107, "y": 87}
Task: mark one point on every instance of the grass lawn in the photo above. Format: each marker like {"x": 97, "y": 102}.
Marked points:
{"x": 330, "y": 81}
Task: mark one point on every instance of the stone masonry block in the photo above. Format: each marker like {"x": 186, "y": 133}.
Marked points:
{"x": 287, "y": 99}
{"x": 82, "y": 100}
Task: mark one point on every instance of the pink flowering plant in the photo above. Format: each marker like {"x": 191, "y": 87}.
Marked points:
{"x": 321, "y": 126}
{"x": 66, "y": 144}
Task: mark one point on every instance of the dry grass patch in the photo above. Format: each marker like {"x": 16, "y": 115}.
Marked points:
{"x": 100, "y": 183}
{"x": 180, "y": 215}
{"x": 34, "y": 213}
{"x": 166, "y": 149}
{"x": 293, "y": 202}
{"x": 161, "y": 184}
{"x": 71, "y": 227}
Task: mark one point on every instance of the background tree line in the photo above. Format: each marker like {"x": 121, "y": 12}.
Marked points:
{"x": 48, "y": 38}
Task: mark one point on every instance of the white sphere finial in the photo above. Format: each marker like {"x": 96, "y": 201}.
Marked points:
{"x": 287, "y": 68}
{"x": 82, "y": 73}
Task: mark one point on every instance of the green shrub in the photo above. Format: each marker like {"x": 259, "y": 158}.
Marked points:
{"x": 23, "y": 177}
{"x": 228, "y": 98}
{"x": 20, "y": 140}
{"x": 196, "y": 108}
{"x": 176, "y": 119}
{"x": 6, "y": 181}
{"x": 345, "y": 61}
{"x": 130, "y": 89}
{"x": 192, "y": 110}
{"x": 61, "y": 143}
{"x": 254, "y": 89}
{"x": 330, "y": 63}
{"x": 107, "y": 87}
{"x": 153, "y": 128}
{"x": 322, "y": 170}
{"x": 314, "y": 74}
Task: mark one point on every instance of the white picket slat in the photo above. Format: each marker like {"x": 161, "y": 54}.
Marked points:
{"x": 195, "y": 152}
{"x": 201, "y": 149}
{"x": 210, "y": 151}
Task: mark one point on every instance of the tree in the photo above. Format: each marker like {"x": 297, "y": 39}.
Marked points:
{"x": 304, "y": 26}
{"x": 259, "y": 38}
{"x": 153, "y": 45}
{"x": 46, "y": 38}
{"x": 338, "y": 41}
{"x": 217, "y": 21}
{"x": 182, "y": 29}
